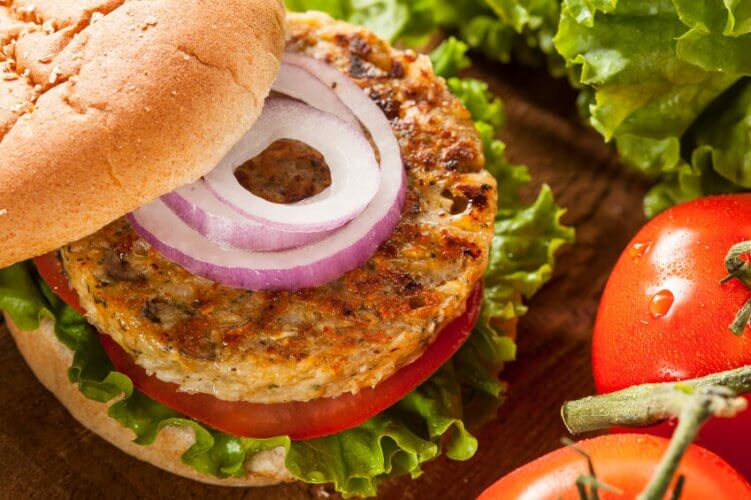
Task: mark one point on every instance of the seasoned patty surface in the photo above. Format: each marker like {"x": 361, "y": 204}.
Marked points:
{"x": 340, "y": 337}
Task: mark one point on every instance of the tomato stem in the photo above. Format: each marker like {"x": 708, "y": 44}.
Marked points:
{"x": 591, "y": 479}
{"x": 692, "y": 402}
{"x": 647, "y": 404}
{"x": 696, "y": 411}
{"x": 741, "y": 319}
{"x": 738, "y": 268}
{"x": 678, "y": 490}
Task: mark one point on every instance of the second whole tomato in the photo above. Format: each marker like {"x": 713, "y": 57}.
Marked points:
{"x": 625, "y": 462}
{"x": 665, "y": 314}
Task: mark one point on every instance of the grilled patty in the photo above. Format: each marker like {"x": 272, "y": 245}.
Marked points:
{"x": 272, "y": 347}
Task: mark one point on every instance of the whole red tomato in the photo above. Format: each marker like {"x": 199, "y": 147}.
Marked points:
{"x": 665, "y": 315}
{"x": 626, "y": 462}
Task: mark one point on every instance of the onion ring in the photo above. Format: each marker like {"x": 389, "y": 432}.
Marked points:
{"x": 296, "y": 82}
{"x": 355, "y": 176}
{"x": 198, "y": 207}
{"x": 346, "y": 249}
{"x": 294, "y": 269}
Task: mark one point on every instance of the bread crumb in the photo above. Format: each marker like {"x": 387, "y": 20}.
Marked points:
{"x": 55, "y": 75}
{"x": 49, "y": 26}
{"x": 9, "y": 50}
{"x": 149, "y": 21}
{"x": 4, "y": 211}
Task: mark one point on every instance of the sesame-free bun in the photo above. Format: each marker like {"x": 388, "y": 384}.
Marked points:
{"x": 49, "y": 359}
{"x": 108, "y": 104}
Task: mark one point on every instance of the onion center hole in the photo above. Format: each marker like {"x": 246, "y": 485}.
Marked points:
{"x": 288, "y": 171}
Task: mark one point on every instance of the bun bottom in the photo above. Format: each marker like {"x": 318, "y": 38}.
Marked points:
{"x": 50, "y": 360}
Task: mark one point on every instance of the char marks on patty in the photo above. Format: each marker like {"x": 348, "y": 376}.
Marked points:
{"x": 348, "y": 334}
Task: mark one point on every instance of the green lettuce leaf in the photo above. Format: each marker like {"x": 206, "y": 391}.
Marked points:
{"x": 432, "y": 419}
{"x": 645, "y": 96}
{"x": 716, "y": 28}
{"x": 505, "y": 29}
{"x": 395, "y": 442}
{"x": 339, "y": 9}
{"x": 484, "y": 107}
{"x": 521, "y": 255}
{"x": 501, "y": 29}
{"x": 20, "y": 298}
{"x": 411, "y": 21}
{"x": 535, "y": 22}
{"x": 450, "y": 57}
{"x": 722, "y": 138}
{"x": 671, "y": 101}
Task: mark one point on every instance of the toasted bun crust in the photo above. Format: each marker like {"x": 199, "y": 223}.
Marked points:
{"x": 50, "y": 360}
{"x": 108, "y": 104}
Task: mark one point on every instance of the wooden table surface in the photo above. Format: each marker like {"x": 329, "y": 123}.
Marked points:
{"x": 44, "y": 453}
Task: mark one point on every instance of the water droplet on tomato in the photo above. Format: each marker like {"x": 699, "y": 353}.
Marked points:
{"x": 661, "y": 303}
{"x": 639, "y": 250}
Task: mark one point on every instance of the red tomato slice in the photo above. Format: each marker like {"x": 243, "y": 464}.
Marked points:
{"x": 301, "y": 420}
{"x": 52, "y": 272}
{"x": 625, "y": 461}
{"x": 298, "y": 420}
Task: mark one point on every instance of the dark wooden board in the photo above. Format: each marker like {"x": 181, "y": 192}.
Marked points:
{"x": 44, "y": 453}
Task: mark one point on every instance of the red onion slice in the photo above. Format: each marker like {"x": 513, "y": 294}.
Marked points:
{"x": 355, "y": 176}
{"x": 295, "y": 82}
{"x": 294, "y": 269}
{"x": 197, "y": 206}
{"x": 367, "y": 112}
{"x": 346, "y": 249}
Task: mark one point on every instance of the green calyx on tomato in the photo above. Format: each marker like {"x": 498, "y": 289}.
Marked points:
{"x": 739, "y": 269}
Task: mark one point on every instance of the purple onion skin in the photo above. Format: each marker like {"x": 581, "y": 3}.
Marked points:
{"x": 255, "y": 239}
{"x": 310, "y": 275}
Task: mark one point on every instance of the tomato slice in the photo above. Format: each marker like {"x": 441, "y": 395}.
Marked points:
{"x": 51, "y": 269}
{"x": 298, "y": 420}
{"x": 626, "y": 462}
{"x": 301, "y": 420}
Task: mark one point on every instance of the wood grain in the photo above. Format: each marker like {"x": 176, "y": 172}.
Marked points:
{"x": 44, "y": 453}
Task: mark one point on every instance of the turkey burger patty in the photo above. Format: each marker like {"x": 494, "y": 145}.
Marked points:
{"x": 352, "y": 333}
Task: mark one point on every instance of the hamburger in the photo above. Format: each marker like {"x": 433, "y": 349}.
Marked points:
{"x": 258, "y": 242}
